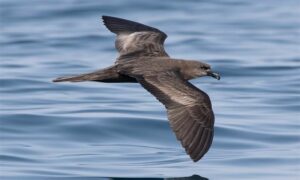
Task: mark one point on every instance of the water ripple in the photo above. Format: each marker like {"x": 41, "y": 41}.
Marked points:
{"x": 95, "y": 130}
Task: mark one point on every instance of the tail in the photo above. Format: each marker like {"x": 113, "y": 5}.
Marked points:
{"x": 109, "y": 74}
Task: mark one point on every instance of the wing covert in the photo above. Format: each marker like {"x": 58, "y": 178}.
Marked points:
{"x": 135, "y": 39}
{"x": 189, "y": 111}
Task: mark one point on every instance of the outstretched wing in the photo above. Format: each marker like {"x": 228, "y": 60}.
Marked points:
{"x": 136, "y": 39}
{"x": 189, "y": 111}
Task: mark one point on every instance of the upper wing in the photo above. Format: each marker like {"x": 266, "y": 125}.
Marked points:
{"x": 136, "y": 39}
{"x": 189, "y": 111}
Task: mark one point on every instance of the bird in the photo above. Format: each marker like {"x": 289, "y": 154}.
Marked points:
{"x": 142, "y": 59}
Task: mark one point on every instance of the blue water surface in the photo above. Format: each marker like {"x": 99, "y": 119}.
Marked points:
{"x": 98, "y": 130}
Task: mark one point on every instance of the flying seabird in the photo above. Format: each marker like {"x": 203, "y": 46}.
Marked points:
{"x": 142, "y": 59}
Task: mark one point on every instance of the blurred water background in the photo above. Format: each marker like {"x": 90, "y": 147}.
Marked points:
{"x": 91, "y": 129}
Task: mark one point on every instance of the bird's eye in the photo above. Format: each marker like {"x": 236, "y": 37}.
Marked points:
{"x": 205, "y": 68}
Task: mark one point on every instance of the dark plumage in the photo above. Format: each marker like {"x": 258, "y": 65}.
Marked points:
{"x": 142, "y": 59}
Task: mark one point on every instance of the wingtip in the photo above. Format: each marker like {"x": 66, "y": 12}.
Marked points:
{"x": 104, "y": 19}
{"x": 196, "y": 159}
{"x": 106, "y": 16}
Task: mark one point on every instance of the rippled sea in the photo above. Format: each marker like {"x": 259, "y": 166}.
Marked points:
{"x": 98, "y": 130}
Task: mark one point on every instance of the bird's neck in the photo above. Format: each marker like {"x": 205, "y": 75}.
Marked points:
{"x": 186, "y": 69}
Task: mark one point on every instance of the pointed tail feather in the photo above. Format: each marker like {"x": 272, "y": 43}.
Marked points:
{"x": 78, "y": 78}
{"x": 109, "y": 74}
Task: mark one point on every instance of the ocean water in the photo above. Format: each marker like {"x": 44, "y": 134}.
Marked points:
{"x": 98, "y": 131}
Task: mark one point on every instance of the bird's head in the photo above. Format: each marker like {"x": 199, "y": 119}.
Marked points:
{"x": 199, "y": 69}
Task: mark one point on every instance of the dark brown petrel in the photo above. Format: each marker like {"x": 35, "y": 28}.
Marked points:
{"x": 142, "y": 59}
